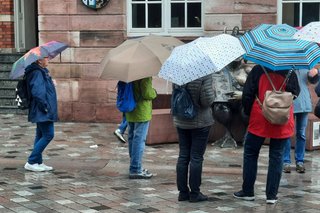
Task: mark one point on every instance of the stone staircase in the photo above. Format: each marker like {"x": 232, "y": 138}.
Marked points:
{"x": 7, "y": 85}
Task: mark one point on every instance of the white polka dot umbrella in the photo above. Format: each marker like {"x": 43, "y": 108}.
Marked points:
{"x": 310, "y": 32}
{"x": 200, "y": 57}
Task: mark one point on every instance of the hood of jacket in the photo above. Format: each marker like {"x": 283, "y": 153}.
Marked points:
{"x": 34, "y": 66}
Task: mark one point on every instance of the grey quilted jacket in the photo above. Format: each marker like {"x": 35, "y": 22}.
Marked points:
{"x": 203, "y": 96}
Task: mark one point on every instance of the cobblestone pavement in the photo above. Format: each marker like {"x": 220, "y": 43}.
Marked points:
{"x": 91, "y": 175}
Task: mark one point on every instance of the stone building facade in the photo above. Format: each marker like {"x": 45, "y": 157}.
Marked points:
{"x": 90, "y": 34}
{"x": 6, "y": 24}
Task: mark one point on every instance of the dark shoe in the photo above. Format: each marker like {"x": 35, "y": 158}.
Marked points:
{"x": 119, "y": 136}
{"x": 200, "y": 197}
{"x": 145, "y": 174}
{"x": 241, "y": 195}
{"x": 272, "y": 200}
{"x": 286, "y": 168}
{"x": 183, "y": 196}
{"x": 300, "y": 168}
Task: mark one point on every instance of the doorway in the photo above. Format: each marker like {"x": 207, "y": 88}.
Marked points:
{"x": 25, "y": 24}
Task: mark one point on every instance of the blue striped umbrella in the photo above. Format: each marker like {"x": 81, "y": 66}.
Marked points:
{"x": 274, "y": 47}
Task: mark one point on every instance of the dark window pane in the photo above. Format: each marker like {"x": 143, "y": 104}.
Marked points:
{"x": 138, "y": 16}
{"x": 194, "y": 15}
{"x": 154, "y": 18}
{"x": 310, "y": 13}
{"x": 177, "y": 15}
{"x": 290, "y": 14}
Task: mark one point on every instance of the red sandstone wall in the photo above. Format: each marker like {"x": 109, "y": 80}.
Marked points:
{"x": 243, "y": 13}
{"x": 90, "y": 34}
{"x": 6, "y": 27}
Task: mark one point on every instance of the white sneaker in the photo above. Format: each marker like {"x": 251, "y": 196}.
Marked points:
{"x": 119, "y": 136}
{"x": 47, "y": 168}
{"x": 34, "y": 167}
{"x": 272, "y": 201}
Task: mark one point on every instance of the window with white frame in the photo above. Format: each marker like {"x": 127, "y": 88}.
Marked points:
{"x": 172, "y": 17}
{"x": 298, "y": 12}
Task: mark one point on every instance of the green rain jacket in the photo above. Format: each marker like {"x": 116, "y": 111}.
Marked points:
{"x": 144, "y": 93}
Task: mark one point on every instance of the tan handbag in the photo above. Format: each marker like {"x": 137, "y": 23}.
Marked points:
{"x": 277, "y": 103}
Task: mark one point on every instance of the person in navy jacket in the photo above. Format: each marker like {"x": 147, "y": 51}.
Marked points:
{"x": 43, "y": 111}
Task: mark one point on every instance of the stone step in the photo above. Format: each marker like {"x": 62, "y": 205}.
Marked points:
{"x": 7, "y": 101}
{"x": 6, "y": 66}
{"x": 7, "y": 85}
{"x": 10, "y": 57}
{"x": 12, "y": 110}
{"x": 7, "y": 82}
{"x": 4, "y": 74}
{"x": 10, "y": 92}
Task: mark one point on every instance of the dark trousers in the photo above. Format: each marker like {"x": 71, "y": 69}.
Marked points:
{"x": 252, "y": 148}
{"x": 192, "y": 146}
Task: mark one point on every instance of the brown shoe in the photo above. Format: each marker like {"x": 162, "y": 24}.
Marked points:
{"x": 300, "y": 168}
{"x": 286, "y": 168}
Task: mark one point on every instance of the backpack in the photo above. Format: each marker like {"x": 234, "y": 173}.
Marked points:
{"x": 182, "y": 105}
{"x": 277, "y": 103}
{"x": 23, "y": 94}
{"x": 125, "y": 97}
{"x": 317, "y": 109}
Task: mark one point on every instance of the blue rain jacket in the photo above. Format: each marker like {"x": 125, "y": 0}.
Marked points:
{"x": 303, "y": 102}
{"x": 43, "y": 106}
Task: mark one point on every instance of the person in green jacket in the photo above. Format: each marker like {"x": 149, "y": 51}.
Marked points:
{"x": 138, "y": 123}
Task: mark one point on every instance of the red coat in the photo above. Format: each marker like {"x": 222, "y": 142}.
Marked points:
{"x": 258, "y": 125}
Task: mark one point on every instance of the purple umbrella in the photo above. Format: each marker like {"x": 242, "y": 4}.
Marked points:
{"x": 50, "y": 50}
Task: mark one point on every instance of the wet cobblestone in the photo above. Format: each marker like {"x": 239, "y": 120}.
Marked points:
{"x": 91, "y": 175}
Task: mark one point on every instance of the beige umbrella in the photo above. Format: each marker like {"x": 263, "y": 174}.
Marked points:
{"x": 137, "y": 58}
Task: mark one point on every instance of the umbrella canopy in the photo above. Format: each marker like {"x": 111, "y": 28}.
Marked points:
{"x": 201, "y": 57}
{"x": 310, "y": 32}
{"x": 273, "y": 46}
{"x": 50, "y": 50}
{"x": 137, "y": 58}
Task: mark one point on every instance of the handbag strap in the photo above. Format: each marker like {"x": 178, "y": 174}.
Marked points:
{"x": 285, "y": 80}
{"x": 273, "y": 87}
{"x": 197, "y": 103}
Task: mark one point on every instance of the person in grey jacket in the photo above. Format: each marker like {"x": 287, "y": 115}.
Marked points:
{"x": 302, "y": 106}
{"x": 193, "y": 137}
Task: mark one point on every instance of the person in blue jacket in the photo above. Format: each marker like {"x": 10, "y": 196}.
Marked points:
{"x": 121, "y": 129}
{"x": 302, "y": 106}
{"x": 43, "y": 111}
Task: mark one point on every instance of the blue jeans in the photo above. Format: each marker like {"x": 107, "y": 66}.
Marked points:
{"x": 192, "y": 146}
{"x": 44, "y": 135}
{"x": 301, "y": 125}
{"x": 137, "y": 136}
{"x": 123, "y": 125}
{"x": 252, "y": 148}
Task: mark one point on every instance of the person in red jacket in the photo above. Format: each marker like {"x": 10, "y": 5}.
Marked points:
{"x": 259, "y": 128}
